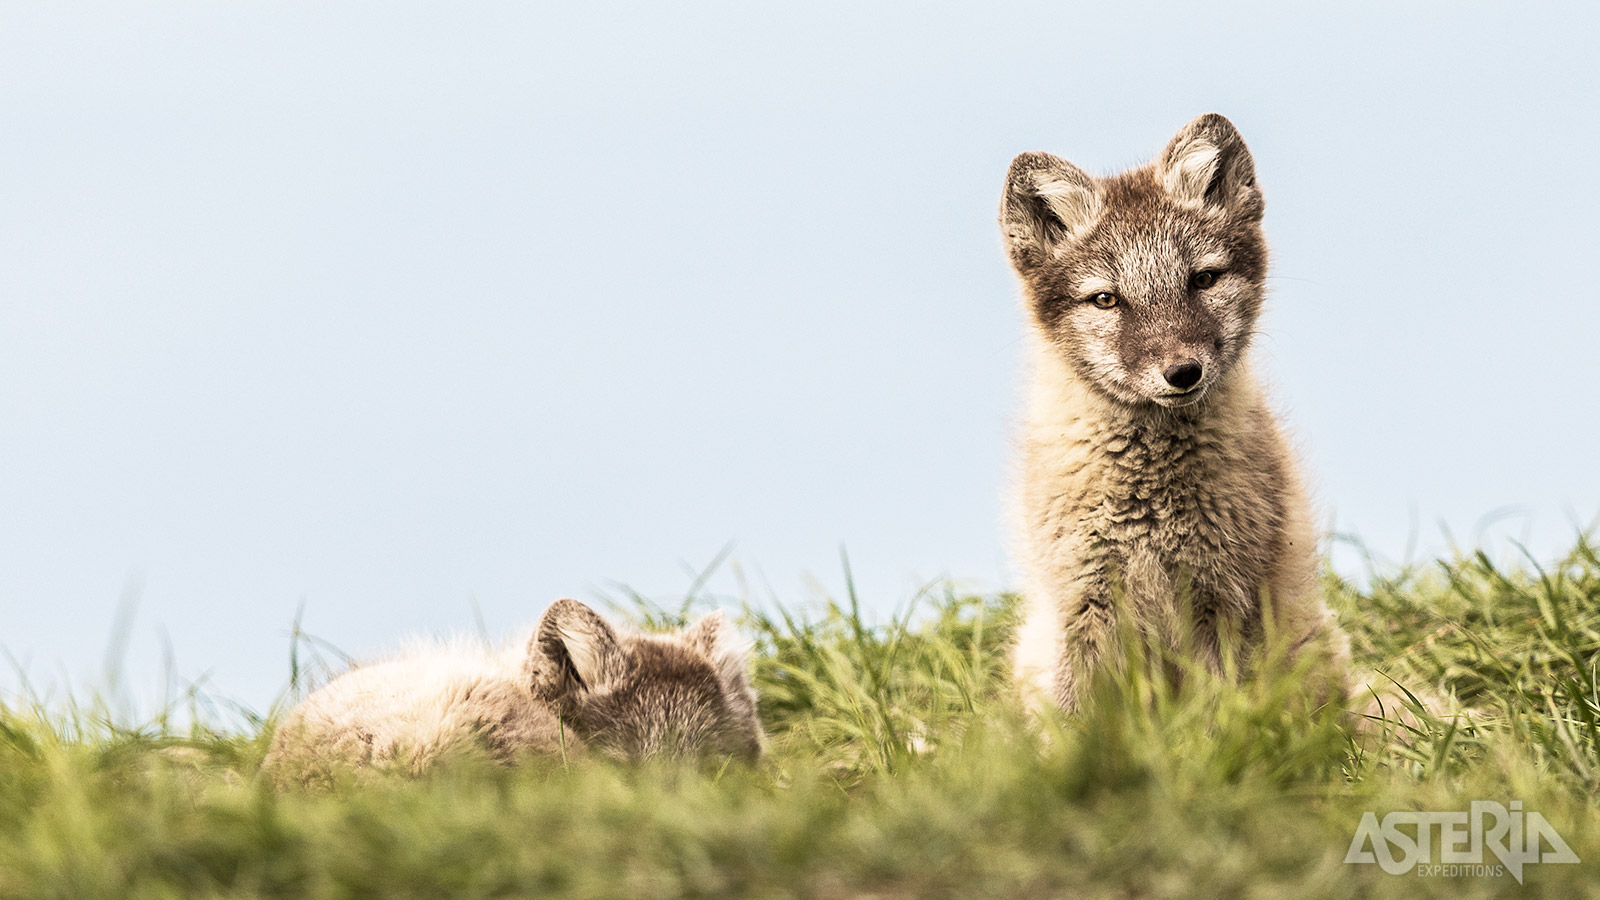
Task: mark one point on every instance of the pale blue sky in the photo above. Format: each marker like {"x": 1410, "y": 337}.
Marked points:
{"x": 391, "y": 308}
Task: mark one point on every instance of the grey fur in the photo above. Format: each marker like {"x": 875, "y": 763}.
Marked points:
{"x": 575, "y": 686}
{"x": 1147, "y": 503}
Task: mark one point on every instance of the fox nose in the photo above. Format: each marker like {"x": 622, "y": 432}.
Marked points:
{"x": 1183, "y": 375}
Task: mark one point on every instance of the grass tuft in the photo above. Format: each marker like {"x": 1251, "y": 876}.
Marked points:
{"x": 900, "y": 766}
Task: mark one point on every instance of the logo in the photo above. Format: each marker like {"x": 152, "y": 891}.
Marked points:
{"x": 1404, "y": 841}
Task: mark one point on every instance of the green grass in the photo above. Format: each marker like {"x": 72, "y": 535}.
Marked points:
{"x": 899, "y": 767}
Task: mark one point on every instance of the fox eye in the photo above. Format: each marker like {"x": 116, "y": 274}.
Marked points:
{"x": 1104, "y": 300}
{"x": 1202, "y": 280}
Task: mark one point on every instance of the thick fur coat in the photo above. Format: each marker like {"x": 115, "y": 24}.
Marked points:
{"x": 574, "y": 686}
{"x": 1157, "y": 494}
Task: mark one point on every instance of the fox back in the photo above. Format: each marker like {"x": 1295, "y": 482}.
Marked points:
{"x": 1156, "y": 488}
{"x": 574, "y": 686}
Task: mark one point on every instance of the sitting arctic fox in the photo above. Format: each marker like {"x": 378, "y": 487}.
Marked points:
{"x": 1159, "y": 497}
{"x": 574, "y": 686}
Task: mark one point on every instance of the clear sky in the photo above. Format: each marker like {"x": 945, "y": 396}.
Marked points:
{"x": 398, "y": 309}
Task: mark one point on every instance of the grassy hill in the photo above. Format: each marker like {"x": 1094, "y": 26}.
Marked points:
{"x": 898, "y": 768}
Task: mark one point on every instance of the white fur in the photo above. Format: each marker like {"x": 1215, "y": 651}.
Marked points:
{"x": 1191, "y": 172}
{"x": 413, "y": 708}
{"x": 634, "y": 695}
{"x": 1075, "y": 205}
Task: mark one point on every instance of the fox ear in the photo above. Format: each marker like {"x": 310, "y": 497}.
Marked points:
{"x": 1208, "y": 165}
{"x": 728, "y": 652}
{"x": 573, "y": 649}
{"x": 1048, "y": 202}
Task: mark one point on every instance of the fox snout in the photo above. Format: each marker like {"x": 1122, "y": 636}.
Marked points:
{"x": 1184, "y": 375}
{"x": 1180, "y": 376}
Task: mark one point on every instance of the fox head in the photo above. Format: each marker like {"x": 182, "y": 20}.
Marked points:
{"x": 1148, "y": 283}
{"x": 640, "y": 695}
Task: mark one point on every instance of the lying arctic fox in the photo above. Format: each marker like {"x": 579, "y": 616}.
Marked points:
{"x": 574, "y": 686}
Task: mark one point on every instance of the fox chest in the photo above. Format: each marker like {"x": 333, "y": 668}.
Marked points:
{"x": 1164, "y": 518}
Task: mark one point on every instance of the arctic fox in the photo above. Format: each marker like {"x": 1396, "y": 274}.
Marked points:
{"x": 572, "y": 686}
{"x": 1158, "y": 496}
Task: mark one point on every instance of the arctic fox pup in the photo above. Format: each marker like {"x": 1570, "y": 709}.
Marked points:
{"x": 573, "y": 686}
{"x": 1158, "y": 496}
